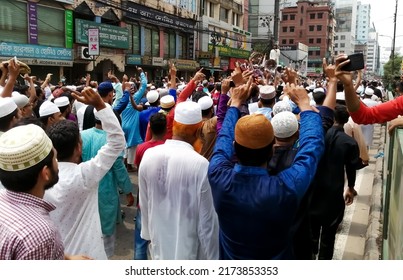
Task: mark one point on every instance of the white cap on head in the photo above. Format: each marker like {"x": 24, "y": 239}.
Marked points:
{"x": 267, "y": 92}
{"x": 20, "y": 99}
{"x": 23, "y": 147}
{"x": 48, "y": 108}
{"x": 188, "y": 112}
{"x": 7, "y": 106}
{"x": 340, "y": 95}
{"x": 152, "y": 96}
{"x": 162, "y": 92}
{"x": 285, "y": 124}
{"x": 281, "y": 106}
{"x": 205, "y": 102}
{"x": 62, "y": 101}
{"x": 167, "y": 101}
{"x": 369, "y": 91}
{"x": 319, "y": 89}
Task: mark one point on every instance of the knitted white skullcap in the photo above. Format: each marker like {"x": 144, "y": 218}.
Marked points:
{"x": 267, "y": 92}
{"x": 285, "y": 124}
{"x": 23, "y": 147}
{"x": 205, "y": 102}
{"x": 7, "y": 106}
{"x": 167, "y": 101}
{"x": 319, "y": 89}
{"x": 188, "y": 112}
{"x": 20, "y": 99}
{"x": 281, "y": 106}
{"x": 61, "y": 101}
{"x": 369, "y": 91}
{"x": 152, "y": 96}
{"x": 48, "y": 108}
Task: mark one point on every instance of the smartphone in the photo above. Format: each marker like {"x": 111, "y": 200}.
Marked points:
{"x": 356, "y": 62}
{"x": 231, "y": 84}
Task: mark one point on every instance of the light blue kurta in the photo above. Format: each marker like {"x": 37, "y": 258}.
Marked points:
{"x": 130, "y": 116}
{"x": 116, "y": 178}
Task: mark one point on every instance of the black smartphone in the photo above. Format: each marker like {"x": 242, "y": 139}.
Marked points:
{"x": 356, "y": 62}
{"x": 231, "y": 84}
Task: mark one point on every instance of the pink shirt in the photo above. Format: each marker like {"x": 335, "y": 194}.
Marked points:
{"x": 26, "y": 230}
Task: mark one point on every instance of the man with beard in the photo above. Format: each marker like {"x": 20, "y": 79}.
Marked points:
{"x": 28, "y": 167}
{"x": 76, "y": 193}
{"x": 177, "y": 209}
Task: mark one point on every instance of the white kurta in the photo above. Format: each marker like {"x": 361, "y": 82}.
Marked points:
{"x": 76, "y": 194}
{"x": 178, "y": 214}
{"x": 368, "y": 129}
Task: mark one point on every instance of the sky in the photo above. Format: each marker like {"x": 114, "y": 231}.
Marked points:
{"x": 382, "y": 14}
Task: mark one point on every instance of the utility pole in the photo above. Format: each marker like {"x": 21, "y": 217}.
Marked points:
{"x": 276, "y": 19}
{"x": 392, "y": 53}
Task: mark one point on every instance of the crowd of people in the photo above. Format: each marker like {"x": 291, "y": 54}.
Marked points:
{"x": 250, "y": 167}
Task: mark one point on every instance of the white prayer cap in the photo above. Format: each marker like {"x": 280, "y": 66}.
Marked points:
{"x": 310, "y": 88}
{"x": 20, "y": 99}
{"x": 188, "y": 112}
{"x": 205, "y": 102}
{"x": 285, "y": 124}
{"x": 48, "y": 108}
{"x": 340, "y": 95}
{"x": 267, "y": 92}
{"x": 23, "y": 147}
{"x": 167, "y": 101}
{"x": 281, "y": 106}
{"x": 152, "y": 87}
{"x": 152, "y": 96}
{"x": 62, "y": 101}
{"x": 319, "y": 89}
{"x": 7, "y": 106}
{"x": 162, "y": 92}
{"x": 360, "y": 89}
{"x": 369, "y": 91}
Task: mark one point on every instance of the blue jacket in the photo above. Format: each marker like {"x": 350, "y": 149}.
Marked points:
{"x": 255, "y": 209}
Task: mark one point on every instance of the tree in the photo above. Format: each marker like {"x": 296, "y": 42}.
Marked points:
{"x": 390, "y": 76}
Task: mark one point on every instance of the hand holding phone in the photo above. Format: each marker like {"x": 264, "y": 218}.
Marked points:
{"x": 356, "y": 62}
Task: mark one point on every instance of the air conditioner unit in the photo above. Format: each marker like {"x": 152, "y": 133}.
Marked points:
{"x": 84, "y": 53}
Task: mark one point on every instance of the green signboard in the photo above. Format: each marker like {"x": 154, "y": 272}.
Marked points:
{"x": 230, "y": 52}
{"x": 109, "y": 36}
{"x": 68, "y": 15}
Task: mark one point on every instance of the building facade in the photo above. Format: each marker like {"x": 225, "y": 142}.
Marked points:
{"x": 346, "y": 17}
{"x": 313, "y": 25}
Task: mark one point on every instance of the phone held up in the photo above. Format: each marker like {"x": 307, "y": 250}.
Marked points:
{"x": 356, "y": 62}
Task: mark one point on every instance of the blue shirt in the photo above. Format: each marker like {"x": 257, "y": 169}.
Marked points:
{"x": 256, "y": 210}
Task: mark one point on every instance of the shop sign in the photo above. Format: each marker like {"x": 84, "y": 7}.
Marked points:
{"x": 109, "y": 36}
{"x": 182, "y": 64}
{"x": 43, "y": 62}
{"x": 158, "y": 61}
{"x": 133, "y": 59}
{"x": 32, "y": 23}
{"x": 35, "y": 51}
{"x": 229, "y": 52}
{"x": 137, "y": 11}
{"x": 205, "y": 55}
{"x": 147, "y": 60}
{"x": 68, "y": 14}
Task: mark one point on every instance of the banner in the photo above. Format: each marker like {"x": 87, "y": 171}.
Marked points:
{"x": 35, "y": 51}
{"x": 68, "y": 16}
{"x": 93, "y": 41}
{"x": 32, "y": 23}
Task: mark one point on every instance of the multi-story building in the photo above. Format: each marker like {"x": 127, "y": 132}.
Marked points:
{"x": 363, "y": 22}
{"x": 346, "y": 17}
{"x": 223, "y": 37}
{"x": 312, "y": 24}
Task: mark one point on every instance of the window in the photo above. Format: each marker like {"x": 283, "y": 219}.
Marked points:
{"x": 172, "y": 45}
{"x": 320, "y": 15}
{"x": 302, "y": 9}
{"x": 147, "y": 41}
{"x": 235, "y": 19}
{"x": 285, "y": 17}
{"x": 310, "y": 52}
{"x": 317, "y": 53}
{"x": 205, "y": 8}
{"x": 223, "y": 14}
{"x": 318, "y": 40}
{"x": 155, "y": 51}
{"x": 336, "y": 45}
{"x": 342, "y": 45}
{"x": 291, "y": 41}
{"x": 51, "y": 32}
{"x": 311, "y": 27}
{"x": 284, "y": 41}
{"x": 336, "y": 37}
{"x": 312, "y": 16}
{"x": 285, "y": 29}
{"x": 310, "y": 40}
{"x": 301, "y": 22}
{"x": 292, "y": 17}
{"x": 292, "y": 29}
{"x": 319, "y": 27}
{"x": 136, "y": 39}
{"x": 211, "y": 9}
{"x": 343, "y": 37}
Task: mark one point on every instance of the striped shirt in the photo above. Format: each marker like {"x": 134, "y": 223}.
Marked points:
{"x": 26, "y": 230}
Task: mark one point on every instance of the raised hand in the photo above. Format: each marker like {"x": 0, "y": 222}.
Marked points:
{"x": 90, "y": 97}
{"x": 199, "y": 76}
{"x": 299, "y": 96}
{"x": 241, "y": 93}
{"x": 330, "y": 70}
{"x": 345, "y": 77}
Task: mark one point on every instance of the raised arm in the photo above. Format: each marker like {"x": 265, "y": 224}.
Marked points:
{"x": 13, "y": 72}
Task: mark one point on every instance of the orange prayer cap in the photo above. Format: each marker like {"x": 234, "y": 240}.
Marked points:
{"x": 254, "y": 131}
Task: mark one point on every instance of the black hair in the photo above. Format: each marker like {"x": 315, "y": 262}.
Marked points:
{"x": 319, "y": 97}
{"x": 268, "y": 102}
{"x": 197, "y": 95}
{"x": 63, "y": 109}
{"x": 25, "y": 180}
{"x": 400, "y": 87}
{"x": 158, "y": 124}
{"x": 252, "y": 157}
{"x": 65, "y": 137}
{"x": 206, "y": 112}
{"x": 45, "y": 119}
{"x": 341, "y": 114}
{"x": 6, "y": 120}
{"x": 29, "y": 120}
{"x": 218, "y": 86}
